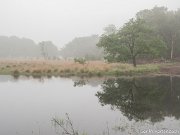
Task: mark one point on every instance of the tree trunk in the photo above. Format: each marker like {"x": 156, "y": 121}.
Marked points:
{"x": 171, "y": 84}
{"x": 172, "y": 45}
{"x": 134, "y": 61}
{"x": 172, "y": 48}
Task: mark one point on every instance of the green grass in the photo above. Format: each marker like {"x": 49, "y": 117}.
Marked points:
{"x": 130, "y": 70}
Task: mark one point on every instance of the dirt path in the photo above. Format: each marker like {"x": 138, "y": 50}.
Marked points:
{"x": 171, "y": 69}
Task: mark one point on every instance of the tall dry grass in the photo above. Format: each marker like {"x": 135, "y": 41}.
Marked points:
{"x": 59, "y": 67}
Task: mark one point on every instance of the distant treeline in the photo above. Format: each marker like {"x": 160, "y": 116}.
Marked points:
{"x": 150, "y": 34}
{"x": 83, "y": 47}
{"x": 14, "y": 47}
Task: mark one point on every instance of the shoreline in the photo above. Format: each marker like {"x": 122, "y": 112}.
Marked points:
{"x": 64, "y": 68}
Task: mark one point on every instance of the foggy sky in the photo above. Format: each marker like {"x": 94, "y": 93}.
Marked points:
{"x": 62, "y": 20}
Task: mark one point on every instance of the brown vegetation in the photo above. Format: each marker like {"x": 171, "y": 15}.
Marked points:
{"x": 70, "y": 68}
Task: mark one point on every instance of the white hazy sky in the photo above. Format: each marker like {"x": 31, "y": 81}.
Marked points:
{"x": 62, "y": 20}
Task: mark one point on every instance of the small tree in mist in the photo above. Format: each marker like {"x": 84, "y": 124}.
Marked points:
{"x": 43, "y": 49}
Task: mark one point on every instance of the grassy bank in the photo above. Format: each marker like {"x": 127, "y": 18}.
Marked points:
{"x": 70, "y": 68}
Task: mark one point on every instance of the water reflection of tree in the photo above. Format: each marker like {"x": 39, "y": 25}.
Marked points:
{"x": 143, "y": 98}
{"x": 80, "y": 83}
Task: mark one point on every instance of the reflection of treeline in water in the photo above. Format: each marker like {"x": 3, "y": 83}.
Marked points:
{"x": 143, "y": 97}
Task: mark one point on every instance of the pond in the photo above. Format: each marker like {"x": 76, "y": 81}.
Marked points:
{"x": 96, "y": 106}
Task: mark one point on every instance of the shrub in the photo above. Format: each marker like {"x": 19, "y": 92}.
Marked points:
{"x": 37, "y": 72}
{"x": 16, "y": 72}
{"x": 55, "y": 70}
{"x": 80, "y": 60}
{"x": 49, "y": 71}
{"x": 8, "y": 66}
{"x": 27, "y": 71}
{"x": 67, "y": 70}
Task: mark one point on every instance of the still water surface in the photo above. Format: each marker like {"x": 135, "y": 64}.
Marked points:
{"x": 95, "y": 105}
